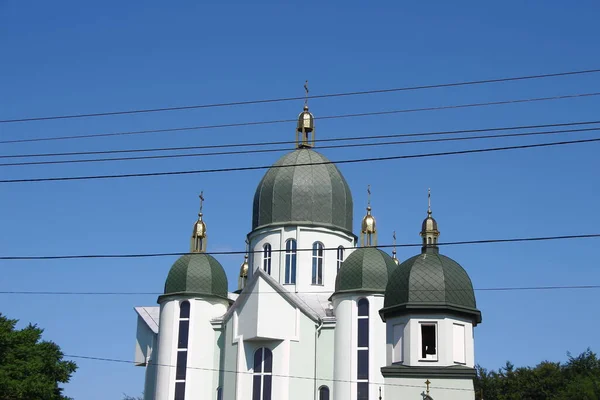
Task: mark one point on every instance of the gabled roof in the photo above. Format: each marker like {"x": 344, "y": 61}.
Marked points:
{"x": 150, "y": 315}
{"x": 292, "y": 298}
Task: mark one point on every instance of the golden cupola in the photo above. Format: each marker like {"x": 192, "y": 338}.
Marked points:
{"x": 198, "y": 241}
{"x": 429, "y": 229}
{"x": 368, "y": 230}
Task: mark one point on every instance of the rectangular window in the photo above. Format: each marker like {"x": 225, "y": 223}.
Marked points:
{"x": 428, "y": 342}
{"x": 267, "y": 387}
{"x": 398, "y": 352}
{"x": 362, "y": 389}
{"x": 184, "y": 330}
{"x": 363, "y": 364}
{"x": 181, "y": 365}
{"x": 459, "y": 343}
{"x": 180, "y": 391}
{"x": 256, "y": 387}
{"x": 363, "y": 332}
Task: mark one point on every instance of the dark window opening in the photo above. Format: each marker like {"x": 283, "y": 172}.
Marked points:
{"x": 363, "y": 364}
{"x": 184, "y": 331}
{"x": 428, "y": 341}
{"x": 363, "y": 332}
{"x": 363, "y": 308}
{"x": 267, "y": 258}
{"x": 184, "y": 309}
{"x": 263, "y": 368}
{"x": 181, "y": 365}
{"x": 290, "y": 262}
{"x": 180, "y": 391}
{"x": 323, "y": 393}
{"x": 362, "y": 390}
{"x": 317, "y": 264}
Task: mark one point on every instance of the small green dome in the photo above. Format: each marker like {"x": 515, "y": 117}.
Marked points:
{"x": 197, "y": 274}
{"x": 303, "y": 193}
{"x": 430, "y": 282}
{"x": 367, "y": 269}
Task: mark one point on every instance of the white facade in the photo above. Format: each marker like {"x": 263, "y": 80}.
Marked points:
{"x": 288, "y": 335}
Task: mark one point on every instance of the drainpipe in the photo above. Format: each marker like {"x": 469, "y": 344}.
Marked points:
{"x": 316, "y": 341}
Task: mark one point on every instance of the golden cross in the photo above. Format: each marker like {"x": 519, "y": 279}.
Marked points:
{"x": 368, "y": 195}
{"x": 429, "y": 201}
{"x": 427, "y": 383}
{"x": 201, "y": 200}
{"x": 306, "y": 89}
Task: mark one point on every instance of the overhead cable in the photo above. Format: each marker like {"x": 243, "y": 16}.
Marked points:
{"x": 327, "y": 117}
{"x": 213, "y": 253}
{"x": 285, "y": 149}
{"x": 263, "y": 167}
{"x": 284, "y": 99}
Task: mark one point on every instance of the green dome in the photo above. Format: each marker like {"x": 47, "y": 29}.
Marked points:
{"x": 303, "y": 193}
{"x": 430, "y": 282}
{"x": 197, "y": 274}
{"x": 367, "y": 269}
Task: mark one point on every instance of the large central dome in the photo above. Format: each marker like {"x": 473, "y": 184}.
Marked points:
{"x": 295, "y": 192}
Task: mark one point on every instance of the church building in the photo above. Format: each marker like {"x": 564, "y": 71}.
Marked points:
{"x": 319, "y": 313}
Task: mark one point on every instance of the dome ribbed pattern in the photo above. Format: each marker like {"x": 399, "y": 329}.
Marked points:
{"x": 303, "y": 193}
{"x": 367, "y": 269}
{"x": 197, "y": 274}
{"x": 430, "y": 281}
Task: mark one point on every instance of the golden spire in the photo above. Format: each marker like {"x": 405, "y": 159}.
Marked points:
{"x": 368, "y": 233}
{"x": 305, "y": 130}
{"x": 198, "y": 241}
{"x": 429, "y": 229}
{"x": 427, "y": 383}
{"x": 394, "y": 250}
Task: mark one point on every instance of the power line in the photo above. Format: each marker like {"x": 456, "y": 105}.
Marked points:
{"x": 262, "y": 167}
{"x": 285, "y": 149}
{"x": 314, "y": 378}
{"x": 253, "y": 144}
{"x": 280, "y": 121}
{"x": 170, "y": 254}
{"x": 285, "y": 99}
{"x": 490, "y": 289}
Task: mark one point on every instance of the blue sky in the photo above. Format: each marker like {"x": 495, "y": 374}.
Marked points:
{"x": 74, "y": 57}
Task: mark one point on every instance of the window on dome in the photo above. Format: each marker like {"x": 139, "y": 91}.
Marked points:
{"x": 428, "y": 342}
{"x": 429, "y": 240}
{"x": 267, "y": 258}
{"x": 323, "y": 393}
{"x": 290, "y": 262}
{"x": 263, "y": 374}
{"x": 363, "y": 350}
{"x": 317, "y": 264}
{"x": 340, "y": 257}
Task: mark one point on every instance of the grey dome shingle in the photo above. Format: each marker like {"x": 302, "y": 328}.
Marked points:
{"x": 430, "y": 282}
{"x": 303, "y": 193}
{"x": 197, "y": 274}
{"x": 367, "y": 269}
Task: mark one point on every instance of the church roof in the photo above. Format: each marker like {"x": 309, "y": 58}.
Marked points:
{"x": 303, "y": 193}
{"x": 430, "y": 282}
{"x": 196, "y": 274}
{"x": 367, "y": 269}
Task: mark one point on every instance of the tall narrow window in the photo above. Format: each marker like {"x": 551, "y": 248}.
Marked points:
{"x": 290, "y": 262}
{"x": 362, "y": 368}
{"x": 428, "y": 342}
{"x": 323, "y": 393}
{"x": 317, "y": 264}
{"x": 267, "y": 258}
{"x": 182, "y": 349}
{"x": 263, "y": 374}
{"x": 340, "y": 257}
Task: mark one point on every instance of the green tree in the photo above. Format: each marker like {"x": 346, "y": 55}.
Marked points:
{"x": 30, "y": 368}
{"x": 578, "y": 378}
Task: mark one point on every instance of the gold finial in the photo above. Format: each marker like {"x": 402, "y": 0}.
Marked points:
{"x": 306, "y": 95}
{"x": 427, "y": 383}
{"x": 368, "y": 236}
{"x": 429, "y": 228}
{"x": 198, "y": 241}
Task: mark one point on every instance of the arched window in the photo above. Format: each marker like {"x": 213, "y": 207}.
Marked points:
{"x": 263, "y": 374}
{"x": 429, "y": 240}
{"x": 290, "y": 262}
{"x": 323, "y": 393}
{"x": 267, "y": 258}
{"x": 340, "y": 257}
{"x": 363, "y": 350}
{"x": 317, "y": 264}
{"x": 182, "y": 349}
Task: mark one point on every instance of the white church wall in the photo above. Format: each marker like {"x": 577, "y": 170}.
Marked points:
{"x": 440, "y": 388}
{"x": 346, "y": 342}
{"x": 301, "y": 362}
{"x": 229, "y": 377}
{"x": 450, "y": 348}
{"x": 305, "y": 237}
{"x": 326, "y": 358}
{"x": 200, "y": 379}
